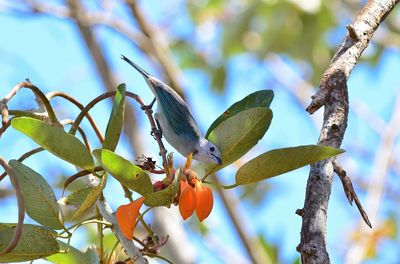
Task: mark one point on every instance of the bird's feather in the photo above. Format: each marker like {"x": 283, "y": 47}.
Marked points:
{"x": 177, "y": 114}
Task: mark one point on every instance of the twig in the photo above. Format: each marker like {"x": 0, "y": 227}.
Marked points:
{"x": 128, "y": 245}
{"x": 349, "y": 190}
{"x": 79, "y": 174}
{"x": 51, "y": 95}
{"x": 333, "y": 94}
{"x": 21, "y": 206}
{"x": 375, "y": 190}
{"x": 360, "y": 33}
{"x": 22, "y": 158}
{"x": 36, "y": 91}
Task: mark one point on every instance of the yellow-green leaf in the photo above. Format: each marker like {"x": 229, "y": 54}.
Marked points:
{"x": 55, "y": 140}
{"x": 92, "y": 194}
{"x": 116, "y": 121}
{"x": 261, "y": 98}
{"x": 236, "y": 135}
{"x": 124, "y": 171}
{"x": 279, "y": 161}
{"x": 40, "y": 201}
{"x": 36, "y": 242}
{"x": 164, "y": 197}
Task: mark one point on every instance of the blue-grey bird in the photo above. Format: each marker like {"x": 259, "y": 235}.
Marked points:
{"x": 177, "y": 123}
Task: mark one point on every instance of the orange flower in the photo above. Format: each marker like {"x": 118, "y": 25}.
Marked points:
{"x": 187, "y": 200}
{"x": 205, "y": 200}
{"x": 126, "y": 217}
{"x": 199, "y": 198}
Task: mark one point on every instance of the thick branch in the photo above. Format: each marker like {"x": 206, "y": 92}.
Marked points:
{"x": 333, "y": 94}
{"x": 359, "y": 34}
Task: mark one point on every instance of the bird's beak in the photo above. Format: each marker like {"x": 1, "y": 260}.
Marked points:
{"x": 145, "y": 74}
{"x": 218, "y": 159}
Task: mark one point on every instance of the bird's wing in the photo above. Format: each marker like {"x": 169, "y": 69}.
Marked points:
{"x": 177, "y": 113}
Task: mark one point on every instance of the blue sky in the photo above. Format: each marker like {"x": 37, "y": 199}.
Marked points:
{"x": 50, "y": 52}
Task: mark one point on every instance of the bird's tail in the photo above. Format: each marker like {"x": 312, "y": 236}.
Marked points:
{"x": 137, "y": 67}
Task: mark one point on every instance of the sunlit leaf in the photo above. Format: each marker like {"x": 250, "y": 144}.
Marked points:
{"x": 55, "y": 140}
{"x": 279, "y": 161}
{"x": 238, "y": 134}
{"x": 36, "y": 242}
{"x": 74, "y": 255}
{"x": 40, "y": 201}
{"x": 164, "y": 197}
{"x": 116, "y": 121}
{"x": 124, "y": 171}
{"x": 261, "y": 98}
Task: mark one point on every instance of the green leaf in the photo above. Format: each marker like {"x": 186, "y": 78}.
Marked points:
{"x": 124, "y": 171}
{"x": 36, "y": 242}
{"x": 73, "y": 255}
{"x": 235, "y": 136}
{"x": 91, "y": 197}
{"x": 261, "y": 98}
{"x": 279, "y": 161}
{"x": 164, "y": 197}
{"x": 55, "y": 140}
{"x": 116, "y": 121}
{"x": 40, "y": 201}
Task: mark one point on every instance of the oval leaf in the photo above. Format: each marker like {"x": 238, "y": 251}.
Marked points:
{"x": 73, "y": 255}
{"x": 116, "y": 121}
{"x": 40, "y": 201}
{"x": 55, "y": 140}
{"x": 238, "y": 134}
{"x": 279, "y": 161}
{"x": 261, "y": 98}
{"x": 164, "y": 197}
{"x": 124, "y": 171}
{"x": 36, "y": 242}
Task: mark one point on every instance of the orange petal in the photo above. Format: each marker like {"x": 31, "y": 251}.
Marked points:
{"x": 205, "y": 200}
{"x": 126, "y": 217}
{"x": 187, "y": 200}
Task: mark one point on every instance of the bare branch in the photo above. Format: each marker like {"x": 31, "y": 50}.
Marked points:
{"x": 333, "y": 94}
{"x": 357, "y": 40}
{"x": 21, "y": 206}
{"x": 349, "y": 190}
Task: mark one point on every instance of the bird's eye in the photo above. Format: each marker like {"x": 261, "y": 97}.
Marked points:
{"x": 212, "y": 149}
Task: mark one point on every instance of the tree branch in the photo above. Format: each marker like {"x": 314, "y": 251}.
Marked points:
{"x": 333, "y": 94}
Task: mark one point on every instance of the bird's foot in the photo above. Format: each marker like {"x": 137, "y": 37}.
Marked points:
{"x": 149, "y": 106}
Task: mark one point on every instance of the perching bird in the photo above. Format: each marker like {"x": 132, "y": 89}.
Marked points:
{"x": 177, "y": 123}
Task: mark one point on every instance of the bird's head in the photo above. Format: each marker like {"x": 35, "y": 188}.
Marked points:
{"x": 207, "y": 152}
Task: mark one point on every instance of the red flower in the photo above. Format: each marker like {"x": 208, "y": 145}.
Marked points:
{"x": 126, "y": 217}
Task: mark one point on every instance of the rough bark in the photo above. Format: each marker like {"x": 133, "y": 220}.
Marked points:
{"x": 333, "y": 95}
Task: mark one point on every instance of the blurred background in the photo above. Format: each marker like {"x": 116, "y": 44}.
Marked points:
{"x": 215, "y": 53}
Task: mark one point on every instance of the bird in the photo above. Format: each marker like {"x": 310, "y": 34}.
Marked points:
{"x": 176, "y": 122}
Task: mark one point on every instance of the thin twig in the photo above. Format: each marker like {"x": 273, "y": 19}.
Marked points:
{"x": 37, "y": 92}
{"x": 349, "y": 190}
{"x": 21, "y": 206}
{"x": 23, "y": 157}
{"x": 51, "y": 95}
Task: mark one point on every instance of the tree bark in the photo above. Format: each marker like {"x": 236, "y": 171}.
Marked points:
{"x": 333, "y": 95}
